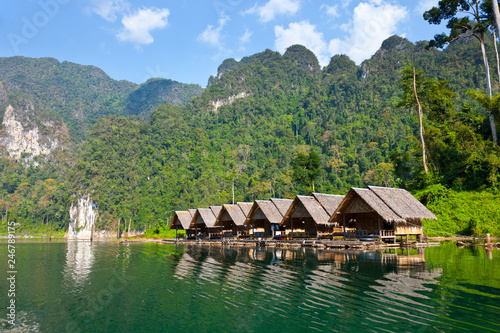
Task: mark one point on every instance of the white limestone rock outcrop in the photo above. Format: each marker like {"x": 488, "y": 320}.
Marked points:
{"x": 82, "y": 216}
{"x": 227, "y": 101}
{"x": 19, "y": 140}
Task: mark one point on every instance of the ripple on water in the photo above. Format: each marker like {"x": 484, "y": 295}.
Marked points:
{"x": 219, "y": 289}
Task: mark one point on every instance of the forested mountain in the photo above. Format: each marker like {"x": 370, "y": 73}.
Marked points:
{"x": 79, "y": 95}
{"x": 255, "y": 117}
{"x": 149, "y": 95}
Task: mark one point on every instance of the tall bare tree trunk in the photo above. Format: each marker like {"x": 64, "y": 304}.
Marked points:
{"x": 118, "y": 228}
{"x": 233, "y": 190}
{"x": 488, "y": 82}
{"x": 496, "y": 54}
{"x": 420, "y": 118}
{"x": 496, "y": 13}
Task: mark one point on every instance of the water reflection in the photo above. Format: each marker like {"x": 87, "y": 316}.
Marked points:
{"x": 268, "y": 282}
{"x": 164, "y": 288}
{"x": 79, "y": 261}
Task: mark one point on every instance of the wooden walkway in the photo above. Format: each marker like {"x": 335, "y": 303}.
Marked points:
{"x": 339, "y": 244}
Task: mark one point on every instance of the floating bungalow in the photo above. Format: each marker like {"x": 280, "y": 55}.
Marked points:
{"x": 181, "y": 221}
{"x": 367, "y": 214}
{"x": 264, "y": 219}
{"x": 203, "y": 222}
{"x": 381, "y": 212}
{"x": 306, "y": 217}
{"x": 231, "y": 219}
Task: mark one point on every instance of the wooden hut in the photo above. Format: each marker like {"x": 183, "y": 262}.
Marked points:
{"x": 203, "y": 222}
{"x": 306, "y": 217}
{"x": 264, "y": 218}
{"x": 181, "y": 220}
{"x": 382, "y": 212}
{"x": 231, "y": 219}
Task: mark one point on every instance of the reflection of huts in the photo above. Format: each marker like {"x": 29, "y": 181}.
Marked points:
{"x": 404, "y": 257}
{"x": 181, "y": 221}
{"x": 264, "y": 218}
{"x": 185, "y": 267}
{"x": 306, "y": 217}
{"x": 382, "y": 212}
{"x": 203, "y": 222}
{"x": 232, "y": 218}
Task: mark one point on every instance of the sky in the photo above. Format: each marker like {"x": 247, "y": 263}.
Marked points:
{"x": 186, "y": 40}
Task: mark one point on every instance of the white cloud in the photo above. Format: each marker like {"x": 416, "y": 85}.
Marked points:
{"x": 245, "y": 38}
{"x": 346, "y": 3}
{"x": 212, "y": 35}
{"x": 425, "y": 5}
{"x": 331, "y": 10}
{"x": 137, "y": 26}
{"x": 302, "y": 33}
{"x": 269, "y": 11}
{"x": 110, "y": 9}
{"x": 372, "y": 23}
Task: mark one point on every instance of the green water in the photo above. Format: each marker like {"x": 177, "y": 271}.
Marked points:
{"x": 112, "y": 287}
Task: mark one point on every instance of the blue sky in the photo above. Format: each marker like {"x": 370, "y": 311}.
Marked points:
{"x": 186, "y": 40}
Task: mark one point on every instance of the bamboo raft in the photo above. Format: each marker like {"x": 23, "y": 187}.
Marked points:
{"x": 338, "y": 244}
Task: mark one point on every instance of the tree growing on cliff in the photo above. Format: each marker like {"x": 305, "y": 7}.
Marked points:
{"x": 459, "y": 14}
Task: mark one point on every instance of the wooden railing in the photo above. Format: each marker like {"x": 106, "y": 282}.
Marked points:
{"x": 386, "y": 233}
{"x": 364, "y": 233}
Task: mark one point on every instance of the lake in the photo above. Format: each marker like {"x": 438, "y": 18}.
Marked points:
{"x": 150, "y": 287}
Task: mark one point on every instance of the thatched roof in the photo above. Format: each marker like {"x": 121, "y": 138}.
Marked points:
{"x": 245, "y": 207}
{"x": 330, "y": 202}
{"x": 216, "y": 210}
{"x": 403, "y": 203}
{"x": 203, "y": 216}
{"x": 282, "y": 205}
{"x": 230, "y": 213}
{"x": 265, "y": 209}
{"x": 182, "y": 219}
{"x": 392, "y": 205}
{"x": 304, "y": 207}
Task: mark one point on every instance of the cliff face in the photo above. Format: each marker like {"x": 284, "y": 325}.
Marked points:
{"x": 21, "y": 138}
{"x": 82, "y": 219}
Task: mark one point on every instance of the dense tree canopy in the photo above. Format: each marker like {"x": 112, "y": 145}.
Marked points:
{"x": 258, "y": 119}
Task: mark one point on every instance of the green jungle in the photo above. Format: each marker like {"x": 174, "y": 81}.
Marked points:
{"x": 269, "y": 125}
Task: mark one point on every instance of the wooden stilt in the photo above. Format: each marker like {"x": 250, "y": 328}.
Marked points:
{"x": 379, "y": 231}
{"x": 343, "y": 221}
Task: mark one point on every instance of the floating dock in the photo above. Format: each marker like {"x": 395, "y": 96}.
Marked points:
{"x": 337, "y": 244}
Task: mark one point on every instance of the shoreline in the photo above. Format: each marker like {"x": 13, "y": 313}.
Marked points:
{"x": 139, "y": 239}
